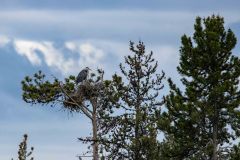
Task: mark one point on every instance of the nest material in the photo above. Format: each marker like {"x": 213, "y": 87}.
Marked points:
{"x": 84, "y": 92}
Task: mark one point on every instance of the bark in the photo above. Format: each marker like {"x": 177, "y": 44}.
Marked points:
{"x": 94, "y": 128}
{"x": 136, "y": 154}
{"x": 215, "y": 132}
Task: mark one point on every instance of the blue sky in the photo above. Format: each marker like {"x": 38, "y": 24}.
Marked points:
{"x": 62, "y": 37}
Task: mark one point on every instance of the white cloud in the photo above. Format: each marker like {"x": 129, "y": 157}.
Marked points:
{"x": 28, "y": 49}
{"x": 4, "y": 40}
{"x": 33, "y": 50}
{"x": 91, "y": 53}
{"x": 39, "y": 52}
{"x": 71, "y": 46}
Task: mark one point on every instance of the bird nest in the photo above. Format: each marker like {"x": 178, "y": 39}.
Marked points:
{"x": 84, "y": 92}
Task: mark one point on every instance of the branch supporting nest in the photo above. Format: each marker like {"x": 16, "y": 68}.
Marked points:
{"x": 84, "y": 92}
{"x": 82, "y": 107}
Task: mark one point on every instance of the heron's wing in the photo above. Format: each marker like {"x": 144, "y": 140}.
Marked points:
{"x": 81, "y": 76}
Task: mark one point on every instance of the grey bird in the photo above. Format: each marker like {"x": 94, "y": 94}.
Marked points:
{"x": 82, "y": 75}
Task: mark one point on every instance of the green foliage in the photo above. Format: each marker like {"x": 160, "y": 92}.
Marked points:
{"x": 126, "y": 111}
{"x": 84, "y": 98}
{"x": 37, "y": 90}
{"x": 197, "y": 120}
{"x": 235, "y": 152}
{"x": 131, "y": 126}
{"x": 23, "y": 154}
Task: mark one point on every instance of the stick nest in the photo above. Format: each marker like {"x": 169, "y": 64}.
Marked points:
{"x": 84, "y": 92}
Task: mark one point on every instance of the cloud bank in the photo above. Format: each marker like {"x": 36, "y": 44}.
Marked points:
{"x": 71, "y": 56}
{"x": 157, "y": 26}
{"x": 4, "y": 40}
{"x": 45, "y": 53}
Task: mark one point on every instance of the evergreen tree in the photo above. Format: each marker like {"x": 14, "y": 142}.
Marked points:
{"x": 84, "y": 98}
{"x": 23, "y": 154}
{"x": 201, "y": 121}
{"x": 235, "y": 152}
{"x": 134, "y": 102}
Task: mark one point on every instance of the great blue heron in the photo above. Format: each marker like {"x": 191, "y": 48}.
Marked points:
{"x": 82, "y": 75}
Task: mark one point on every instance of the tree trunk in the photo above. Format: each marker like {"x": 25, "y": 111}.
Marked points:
{"x": 137, "y": 136}
{"x": 94, "y": 128}
{"x": 215, "y": 132}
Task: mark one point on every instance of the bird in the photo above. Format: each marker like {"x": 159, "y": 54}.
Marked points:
{"x": 82, "y": 75}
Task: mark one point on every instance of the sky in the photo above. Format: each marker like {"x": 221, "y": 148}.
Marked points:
{"x": 62, "y": 37}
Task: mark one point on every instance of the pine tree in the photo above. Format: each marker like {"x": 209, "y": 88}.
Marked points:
{"x": 235, "y": 152}
{"x": 23, "y": 154}
{"x": 84, "y": 98}
{"x": 201, "y": 121}
{"x": 134, "y": 102}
